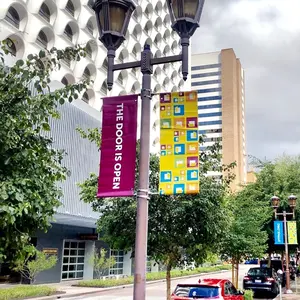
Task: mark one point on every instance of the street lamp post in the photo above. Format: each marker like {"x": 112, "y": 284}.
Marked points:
{"x": 292, "y": 203}
{"x": 113, "y": 17}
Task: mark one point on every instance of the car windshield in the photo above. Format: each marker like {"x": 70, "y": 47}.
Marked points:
{"x": 260, "y": 272}
{"x": 196, "y": 291}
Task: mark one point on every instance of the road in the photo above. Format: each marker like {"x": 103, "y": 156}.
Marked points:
{"x": 157, "y": 291}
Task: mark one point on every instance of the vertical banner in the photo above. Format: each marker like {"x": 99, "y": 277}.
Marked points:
{"x": 278, "y": 233}
{"x": 292, "y": 232}
{"x": 179, "y": 146}
{"x": 118, "y": 147}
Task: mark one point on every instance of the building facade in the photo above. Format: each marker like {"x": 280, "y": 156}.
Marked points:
{"x": 219, "y": 79}
{"x": 33, "y": 25}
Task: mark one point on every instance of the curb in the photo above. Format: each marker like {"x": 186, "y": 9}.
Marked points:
{"x": 63, "y": 295}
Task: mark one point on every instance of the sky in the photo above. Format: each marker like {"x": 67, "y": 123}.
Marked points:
{"x": 265, "y": 35}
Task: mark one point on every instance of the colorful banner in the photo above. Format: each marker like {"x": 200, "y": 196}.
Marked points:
{"x": 118, "y": 147}
{"x": 278, "y": 233}
{"x": 292, "y": 232}
{"x": 179, "y": 154}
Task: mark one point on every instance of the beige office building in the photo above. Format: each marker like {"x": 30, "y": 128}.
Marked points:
{"x": 219, "y": 79}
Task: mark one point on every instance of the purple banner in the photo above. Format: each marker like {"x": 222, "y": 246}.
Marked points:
{"x": 118, "y": 146}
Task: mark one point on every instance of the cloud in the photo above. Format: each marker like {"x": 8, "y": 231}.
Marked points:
{"x": 265, "y": 36}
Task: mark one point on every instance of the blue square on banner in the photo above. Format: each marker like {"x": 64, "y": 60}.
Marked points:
{"x": 192, "y": 175}
{"x": 178, "y": 110}
{"x": 192, "y": 135}
{"x": 179, "y": 149}
{"x": 179, "y": 188}
{"x": 163, "y": 153}
{"x": 166, "y": 176}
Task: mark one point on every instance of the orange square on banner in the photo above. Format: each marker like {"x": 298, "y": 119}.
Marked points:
{"x": 192, "y": 188}
{"x": 192, "y": 148}
{"x": 179, "y": 122}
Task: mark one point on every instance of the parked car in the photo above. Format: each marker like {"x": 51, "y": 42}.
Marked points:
{"x": 207, "y": 289}
{"x": 261, "y": 280}
{"x": 253, "y": 261}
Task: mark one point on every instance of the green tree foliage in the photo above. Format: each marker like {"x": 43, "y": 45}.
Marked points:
{"x": 182, "y": 228}
{"x": 30, "y": 167}
{"x": 102, "y": 262}
{"x": 245, "y": 237}
{"x": 34, "y": 264}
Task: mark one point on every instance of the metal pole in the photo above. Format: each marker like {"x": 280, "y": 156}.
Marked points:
{"x": 140, "y": 259}
{"x": 287, "y": 272}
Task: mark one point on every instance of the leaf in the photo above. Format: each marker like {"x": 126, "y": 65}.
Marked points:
{"x": 42, "y": 54}
{"x": 46, "y": 127}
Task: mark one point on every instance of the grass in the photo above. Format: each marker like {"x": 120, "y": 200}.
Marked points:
{"x": 30, "y": 291}
{"x": 103, "y": 283}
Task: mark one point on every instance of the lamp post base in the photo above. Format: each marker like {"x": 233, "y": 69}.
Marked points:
{"x": 288, "y": 291}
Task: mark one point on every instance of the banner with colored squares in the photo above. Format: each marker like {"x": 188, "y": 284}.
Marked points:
{"x": 292, "y": 233}
{"x": 179, "y": 146}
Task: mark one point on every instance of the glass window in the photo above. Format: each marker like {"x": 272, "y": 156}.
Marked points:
{"x": 90, "y": 27}
{"x": 210, "y": 98}
{"x": 13, "y": 17}
{"x": 68, "y": 32}
{"x": 210, "y": 123}
{"x": 206, "y": 82}
{"x": 209, "y": 90}
{"x": 213, "y": 114}
{"x": 196, "y": 291}
{"x": 209, "y": 74}
{"x": 70, "y": 8}
{"x": 203, "y": 67}
{"x": 42, "y": 39}
{"x": 45, "y": 12}
{"x": 11, "y": 47}
{"x": 117, "y": 269}
{"x": 210, "y": 106}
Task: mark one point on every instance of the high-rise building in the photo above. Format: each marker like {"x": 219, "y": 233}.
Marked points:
{"x": 33, "y": 25}
{"x": 219, "y": 79}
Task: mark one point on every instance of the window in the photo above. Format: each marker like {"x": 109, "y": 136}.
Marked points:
{"x": 86, "y": 73}
{"x": 42, "y": 39}
{"x": 65, "y": 81}
{"x": 90, "y": 27}
{"x": 73, "y": 260}
{"x": 196, "y": 291}
{"x": 230, "y": 289}
{"x": 213, "y": 139}
{"x": 105, "y": 64}
{"x": 70, "y": 8}
{"x": 90, "y": 3}
{"x": 117, "y": 269}
{"x": 11, "y": 47}
{"x": 68, "y": 32}
{"x": 85, "y": 97}
{"x": 210, "y": 106}
{"x": 213, "y": 114}
{"x": 13, "y": 17}
{"x": 45, "y": 12}
{"x": 89, "y": 50}
{"x": 212, "y": 90}
{"x": 104, "y": 88}
{"x": 210, "y": 98}
{"x": 219, "y": 130}
{"x": 217, "y": 122}
{"x": 206, "y": 82}
{"x": 196, "y": 68}
{"x": 206, "y": 74}
{"x": 120, "y": 79}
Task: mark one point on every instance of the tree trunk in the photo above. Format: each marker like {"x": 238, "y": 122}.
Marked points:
{"x": 168, "y": 278}
{"x": 237, "y": 275}
{"x": 232, "y": 271}
{"x": 269, "y": 262}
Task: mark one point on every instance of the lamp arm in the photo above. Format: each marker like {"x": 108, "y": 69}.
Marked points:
{"x": 111, "y": 54}
{"x": 185, "y": 43}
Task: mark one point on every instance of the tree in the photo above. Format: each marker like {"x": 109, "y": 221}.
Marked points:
{"x": 101, "y": 262}
{"x": 245, "y": 237}
{"x": 182, "y": 228}
{"x": 34, "y": 264}
{"x": 30, "y": 167}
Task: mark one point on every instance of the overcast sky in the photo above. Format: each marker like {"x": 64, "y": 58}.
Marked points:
{"x": 265, "y": 35}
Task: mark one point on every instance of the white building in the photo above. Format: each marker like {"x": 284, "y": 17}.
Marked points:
{"x": 33, "y": 25}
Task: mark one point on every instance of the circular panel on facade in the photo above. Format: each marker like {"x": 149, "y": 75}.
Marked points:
{"x": 158, "y": 7}
{"x": 137, "y": 32}
{"x": 157, "y": 40}
{"x": 138, "y": 13}
{"x": 149, "y": 11}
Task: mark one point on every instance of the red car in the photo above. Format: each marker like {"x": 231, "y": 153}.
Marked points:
{"x": 207, "y": 289}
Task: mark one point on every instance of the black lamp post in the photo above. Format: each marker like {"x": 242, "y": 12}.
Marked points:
{"x": 113, "y": 17}
{"x": 292, "y": 204}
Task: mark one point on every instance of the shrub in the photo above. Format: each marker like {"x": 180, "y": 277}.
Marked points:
{"x": 248, "y": 295}
{"x": 21, "y": 292}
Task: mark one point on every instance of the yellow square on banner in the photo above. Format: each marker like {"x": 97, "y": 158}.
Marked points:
{"x": 179, "y": 147}
{"x": 292, "y": 232}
